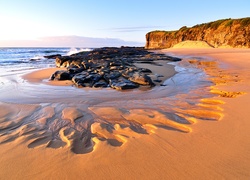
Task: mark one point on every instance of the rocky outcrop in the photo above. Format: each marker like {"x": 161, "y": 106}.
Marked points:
{"x": 53, "y": 56}
{"x": 109, "y": 67}
{"x": 222, "y": 33}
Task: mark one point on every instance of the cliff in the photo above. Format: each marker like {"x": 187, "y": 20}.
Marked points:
{"x": 222, "y": 33}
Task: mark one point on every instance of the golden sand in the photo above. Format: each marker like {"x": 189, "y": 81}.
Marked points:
{"x": 200, "y": 138}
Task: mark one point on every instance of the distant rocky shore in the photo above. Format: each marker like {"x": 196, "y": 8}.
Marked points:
{"x": 109, "y": 67}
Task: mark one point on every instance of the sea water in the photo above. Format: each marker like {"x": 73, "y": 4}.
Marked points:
{"x": 23, "y": 59}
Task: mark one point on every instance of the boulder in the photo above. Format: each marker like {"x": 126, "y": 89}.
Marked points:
{"x": 122, "y": 83}
{"x": 53, "y": 56}
{"x": 141, "y": 79}
{"x": 62, "y": 61}
{"x": 85, "y": 79}
{"x": 112, "y": 75}
{"x": 145, "y": 70}
{"x": 74, "y": 70}
{"x": 80, "y": 78}
{"x": 102, "y": 84}
{"x": 61, "y": 75}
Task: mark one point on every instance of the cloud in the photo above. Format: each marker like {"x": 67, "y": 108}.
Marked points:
{"x": 135, "y": 28}
{"x": 69, "y": 41}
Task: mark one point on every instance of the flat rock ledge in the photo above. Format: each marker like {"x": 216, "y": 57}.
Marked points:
{"x": 109, "y": 67}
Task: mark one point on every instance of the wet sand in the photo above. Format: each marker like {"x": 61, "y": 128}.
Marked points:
{"x": 194, "y": 127}
{"x": 43, "y": 76}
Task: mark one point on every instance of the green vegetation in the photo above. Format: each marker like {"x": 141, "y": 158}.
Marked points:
{"x": 226, "y": 22}
{"x": 158, "y": 31}
{"x": 165, "y": 32}
{"x": 216, "y": 24}
{"x": 213, "y": 25}
{"x": 229, "y": 22}
{"x": 183, "y": 28}
{"x": 245, "y": 22}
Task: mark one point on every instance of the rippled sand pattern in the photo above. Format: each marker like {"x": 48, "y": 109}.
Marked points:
{"x": 83, "y": 120}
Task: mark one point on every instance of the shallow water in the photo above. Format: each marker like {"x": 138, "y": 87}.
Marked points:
{"x": 16, "y": 60}
{"x": 79, "y": 118}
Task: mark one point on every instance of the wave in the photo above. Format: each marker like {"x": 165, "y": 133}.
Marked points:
{"x": 77, "y": 50}
{"x": 8, "y": 62}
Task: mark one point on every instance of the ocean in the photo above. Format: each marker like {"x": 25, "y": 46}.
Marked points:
{"x": 20, "y": 59}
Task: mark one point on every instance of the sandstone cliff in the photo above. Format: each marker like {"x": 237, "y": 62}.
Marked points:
{"x": 222, "y": 33}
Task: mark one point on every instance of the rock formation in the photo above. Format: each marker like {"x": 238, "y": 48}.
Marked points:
{"x": 109, "y": 67}
{"x": 222, "y": 33}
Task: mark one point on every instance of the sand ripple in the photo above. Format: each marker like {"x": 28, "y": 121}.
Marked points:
{"x": 83, "y": 120}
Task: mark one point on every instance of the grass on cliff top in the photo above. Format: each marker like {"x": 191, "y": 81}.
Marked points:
{"x": 213, "y": 25}
{"x": 226, "y": 22}
{"x": 245, "y": 21}
{"x": 162, "y": 31}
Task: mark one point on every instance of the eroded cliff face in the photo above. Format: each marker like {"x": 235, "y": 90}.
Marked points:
{"x": 222, "y": 33}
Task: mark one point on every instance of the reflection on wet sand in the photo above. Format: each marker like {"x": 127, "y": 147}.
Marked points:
{"x": 41, "y": 115}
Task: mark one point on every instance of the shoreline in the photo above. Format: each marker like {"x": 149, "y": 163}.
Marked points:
{"x": 173, "y": 134}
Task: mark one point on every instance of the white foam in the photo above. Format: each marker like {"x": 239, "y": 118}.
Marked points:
{"x": 37, "y": 57}
{"x": 74, "y": 50}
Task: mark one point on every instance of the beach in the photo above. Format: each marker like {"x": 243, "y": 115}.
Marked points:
{"x": 195, "y": 126}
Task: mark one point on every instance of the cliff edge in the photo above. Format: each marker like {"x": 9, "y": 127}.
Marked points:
{"x": 233, "y": 33}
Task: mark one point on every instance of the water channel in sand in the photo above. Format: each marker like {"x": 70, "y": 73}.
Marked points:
{"x": 64, "y": 116}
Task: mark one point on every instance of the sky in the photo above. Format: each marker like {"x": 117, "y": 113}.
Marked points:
{"x": 100, "y": 22}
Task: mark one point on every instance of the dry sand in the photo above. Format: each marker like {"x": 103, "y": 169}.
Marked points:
{"x": 191, "y": 136}
{"x": 192, "y": 44}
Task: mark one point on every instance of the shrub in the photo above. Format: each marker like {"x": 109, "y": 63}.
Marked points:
{"x": 216, "y": 24}
{"x": 229, "y": 23}
{"x": 183, "y": 28}
{"x": 245, "y": 22}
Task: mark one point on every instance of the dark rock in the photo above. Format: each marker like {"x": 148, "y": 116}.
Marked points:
{"x": 77, "y": 63}
{"x": 159, "y": 75}
{"x": 86, "y": 65}
{"x": 122, "y": 83}
{"x": 129, "y": 72}
{"x": 74, "y": 70}
{"x": 86, "y": 79}
{"x": 115, "y": 63}
{"x": 109, "y": 67}
{"x": 157, "y": 80}
{"x": 141, "y": 79}
{"x": 173, "y": 58}
{"x": 79, "y": 79}
{"x": 95, "y": 77}
{"x": 100, "y": 84}
{"x": 112, "y": 75}
{"x": 145, "y": 70}
{"x": 53, "y": 56}
{"x": 61, "y": 75}
{"x": 112, "y": 68}
{"x": 61, "y": 60}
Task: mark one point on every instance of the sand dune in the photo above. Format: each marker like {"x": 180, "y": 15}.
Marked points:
{"x": 196, "y": 126}
{"x": 192, "y": 44}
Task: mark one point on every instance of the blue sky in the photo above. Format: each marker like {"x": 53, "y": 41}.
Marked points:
{"x": 127, "y": 20}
